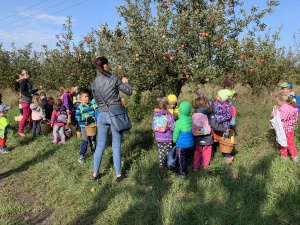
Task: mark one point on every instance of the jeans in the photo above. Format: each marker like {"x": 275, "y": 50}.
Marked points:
{"x": 85, "y": 140}
{"x": 103, "y": 126}
{"x": 36, "y": 126}
{"x": 26, "y": 117}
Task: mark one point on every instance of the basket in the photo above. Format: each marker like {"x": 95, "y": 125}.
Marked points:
{"x": 226, "y": 145}
{"x": 18, "y": 118}
{"x": 217, "y": 135}
{"x": 46, "y": 126}
{"x": 68, "y": 131}
{"x": 91, "y": 130}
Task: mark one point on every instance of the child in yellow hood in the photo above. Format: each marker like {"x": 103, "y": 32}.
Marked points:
{"x": 173, "y": 106}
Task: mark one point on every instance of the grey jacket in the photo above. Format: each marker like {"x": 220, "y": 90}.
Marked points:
{"x": 109, "y": 86}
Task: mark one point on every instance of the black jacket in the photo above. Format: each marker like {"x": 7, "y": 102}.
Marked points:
{"x": 109, "y": 86}
{"x": 26, "y": 90}
{"x": 204, "y": 139}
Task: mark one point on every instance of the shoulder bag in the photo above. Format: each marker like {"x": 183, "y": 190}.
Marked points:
{"x": 117, "y": 113}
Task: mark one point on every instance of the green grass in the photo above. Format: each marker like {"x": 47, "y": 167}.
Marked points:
{"x": 43, "y": 183}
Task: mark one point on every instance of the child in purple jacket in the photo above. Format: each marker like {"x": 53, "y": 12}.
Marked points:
{"x": 163, "y": 134}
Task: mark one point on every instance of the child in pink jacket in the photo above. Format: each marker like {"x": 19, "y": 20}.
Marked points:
{"x": 289, "y": 116}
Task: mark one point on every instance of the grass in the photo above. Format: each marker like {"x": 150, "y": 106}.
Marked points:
{"x": 42, "y": 183}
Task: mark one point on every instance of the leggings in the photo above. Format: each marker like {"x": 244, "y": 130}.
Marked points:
{"x": 163, "y": 150}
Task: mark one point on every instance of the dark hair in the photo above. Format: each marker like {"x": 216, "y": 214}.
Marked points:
{"x": 59, "y": 102}
{"x": 99, "y": 64}
{"x": 43, "y": 94}
{"x": 200, "y": 102}
{"x": 83, "y": 91}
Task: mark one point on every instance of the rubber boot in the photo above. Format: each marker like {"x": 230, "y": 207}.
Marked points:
{"x": 62, "y": 140}
{"x": 54, "y": 140}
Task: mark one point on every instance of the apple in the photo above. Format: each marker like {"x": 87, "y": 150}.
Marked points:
{"x": 261, "y": 61}
{"x": 182, "y": 11}
{"x": 171, "y": 57}
{"x": 120, "y": 67}
{"x": 65, "y": 71}
{"x": 165, "y": 69}
{"x": 230, "y": 4}
{"x": 166, "y": 53}
{"x": 215, "y": 43}
{"x": 163, "y": 5}
{"x": 206, "y": 34}
{"x": 137, "y": 59}
{"x": 164, "y": 36}
{"x": 202, "y": 34}
{"x": 164, "y": 57}
{"x": 207, "y": 79}
{"x": 169, "y": 3}
{"x": 137, "y": 55}
{"x": 251, "y": 70}
{"x": 66, "y": 46}
{"x": 242, "y": 56}
{"x": 250, "y": 55}
{"x": 182, "y": 45}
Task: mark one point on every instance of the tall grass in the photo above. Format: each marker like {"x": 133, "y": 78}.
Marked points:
{"x": 42, "y": 183}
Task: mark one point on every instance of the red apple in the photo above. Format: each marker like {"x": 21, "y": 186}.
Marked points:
{"x": 169, "y": 3}
{"x": 261, "y": 60}
{"x": 242, "y": 56}
{"x": 251, "y": 70}
{"x": 164, "y": 36}
{"x": 215, "y": 43}
{"x": 120, "y": 67}
{"x": 137, "y": 55}
{"x": 171, "y": 57}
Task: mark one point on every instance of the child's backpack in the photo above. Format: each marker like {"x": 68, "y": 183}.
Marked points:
{"x": 160, "y": 123}
{"x": 200, "y": 124}
{"x": 172, "y": 157}
{"x": 233, "y": 113}
{"x": 61, "y": 115}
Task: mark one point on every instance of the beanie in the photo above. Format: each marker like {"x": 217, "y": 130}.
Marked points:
{"x": 224, "y": 94}
{"x": 172, "y": 98}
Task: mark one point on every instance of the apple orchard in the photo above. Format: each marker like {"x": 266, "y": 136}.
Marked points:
{"x": 161, "y": 45}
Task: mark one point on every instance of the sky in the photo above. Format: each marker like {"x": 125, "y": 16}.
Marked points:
{"x": 38, "y": 21}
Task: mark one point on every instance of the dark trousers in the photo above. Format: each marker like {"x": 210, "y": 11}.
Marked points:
{"x": 184, "y": 155}
{"x": 85, "y": 140}
{"x": 48, "y": 113}
{"x": 36, "y": 126}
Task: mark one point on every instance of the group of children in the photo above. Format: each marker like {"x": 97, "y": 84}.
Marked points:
{"x": 173, "y": 125}
{"x": 61, "y": 112}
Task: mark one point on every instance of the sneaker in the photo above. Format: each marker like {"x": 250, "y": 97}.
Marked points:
{"x": 81, "y": 160}
{"x": 295, "y": 159}
{"x": 97, "y": 177}
{"x": 3, "y": 151}
{"x": 121, "y": 178}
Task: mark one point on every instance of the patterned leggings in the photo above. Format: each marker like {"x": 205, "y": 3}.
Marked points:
{"x": 163, "y": 150}
{"x": 290, "y": 145}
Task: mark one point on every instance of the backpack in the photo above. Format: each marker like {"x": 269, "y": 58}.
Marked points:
{"x": 200, "y": 124}
{"x": 233, "y": 113}
{"x": 297, "y": 99}
{"x": 172, "y": 157}
{"x": 61, "y": 115}
{"x": 73, "y": 112}
{"x": 160, "y": 123}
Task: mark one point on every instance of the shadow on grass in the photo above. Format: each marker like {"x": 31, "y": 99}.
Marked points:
{"x": 37, "y": 159}
{"x": 245, "y": 193}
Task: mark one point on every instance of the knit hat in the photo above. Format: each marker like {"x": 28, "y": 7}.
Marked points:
{"x": 224, "y": 94}
{"x": 4, "y": 108}
{"x": 172, "y": 98}
{"x": 226, "y": 83}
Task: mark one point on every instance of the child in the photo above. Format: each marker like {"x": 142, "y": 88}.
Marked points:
{"x": 5, "y": 128}
{"x": 183, "y": 136}
{"x": 49, "y": 107}
{"x": 287, "y": 87}
{"x": 85, "y": 115}
{"x": 173, "y": 106}
{"x": 203, "y": 143}
{"x": 289, "y": 117}
{"x": 67, "y": 99}
{"x": 37, "y": 114}
{"x": 43, "y": 97}
{"x": 58, "y": 121}
{"x": 222, "y": 114}
{"x": 163, "y": 138}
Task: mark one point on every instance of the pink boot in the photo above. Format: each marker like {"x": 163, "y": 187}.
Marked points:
{"x": 62, "y": 140}
{"x": 54, "y": 140}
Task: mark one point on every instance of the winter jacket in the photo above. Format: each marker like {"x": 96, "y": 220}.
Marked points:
{"x": 26, "y": 91}
{"x": 85, "y": 109}
{"x": 182, "y": 134}
{"x": 37, "y": 112}
{"x": 167, "y": 136}
{"x": 67, "y": 100}
{"x": 289, "y": 117}
{"x": 204, "y": 139}
{"x": 108, "y": 86}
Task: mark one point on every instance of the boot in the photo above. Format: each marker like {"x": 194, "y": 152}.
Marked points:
{"x": 62, "y": 140}
{"x": 54, "y": 140}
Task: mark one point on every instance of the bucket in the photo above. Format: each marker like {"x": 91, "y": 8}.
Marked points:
{"x": 227, "y": 144}
{"x": 46, "y": 126}
{"x": 91, "y": 129}
{"x": 78, "y": 134}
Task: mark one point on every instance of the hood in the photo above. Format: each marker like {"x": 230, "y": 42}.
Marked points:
{"x": 185, "y": 109}
{"x": 159, "y": 112}
{"x": 203, "y": 110}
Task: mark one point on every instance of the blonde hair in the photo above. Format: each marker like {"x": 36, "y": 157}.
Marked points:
{"x": 284, "y": 96}
{"x": 37, "y": 101}
{"x": 164, "y": 103}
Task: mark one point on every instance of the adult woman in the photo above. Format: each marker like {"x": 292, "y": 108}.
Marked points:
{"x": 26, "y": 95}
{"x": 108, "y": 86}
